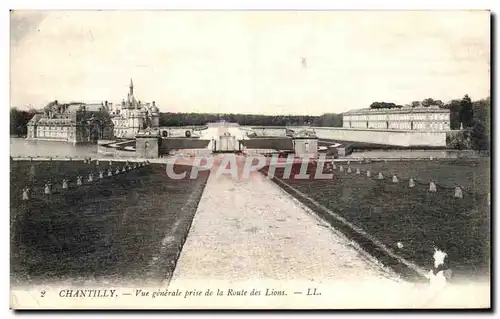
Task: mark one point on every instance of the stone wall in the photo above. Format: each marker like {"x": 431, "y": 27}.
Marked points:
{"x": 385, "y": 137}
{"x": 147, "y": 147}
{"x": 269, "y": 131}
{"x": 403, "y": 138}
{"x": 181, "y": 131}
{"x": 268, "y": 143}
{"x": 168, "y": 144}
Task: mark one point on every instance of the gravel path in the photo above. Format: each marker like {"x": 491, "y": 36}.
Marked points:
{"x": 252, "y": 230}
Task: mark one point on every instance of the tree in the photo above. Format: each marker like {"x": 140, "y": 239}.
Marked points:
{"x": 479, "y": 139}
{"x": 454, "y": 107}
{"x": 19, "y": 120}
{"x": 428, "y": 102}
{"x": 383, "y": 105}
{"x": 415, "y": 104}
{"x": 466, "y": 112}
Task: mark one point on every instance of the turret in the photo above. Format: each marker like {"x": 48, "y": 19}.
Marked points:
{"x": 154, "y": 109}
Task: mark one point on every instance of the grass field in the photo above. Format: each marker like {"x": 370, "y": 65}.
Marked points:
{"x": 419, "y": 219}
{"x": 125, "y": 228}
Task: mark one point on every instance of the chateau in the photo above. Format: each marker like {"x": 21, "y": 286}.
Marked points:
{"x": 133, "y": 115}
{"x": 430, "y": 118}
{"x": 81, "y": 122}
{"x": 72, "y": 122}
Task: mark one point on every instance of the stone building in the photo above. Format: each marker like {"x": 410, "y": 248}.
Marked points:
{"x": 430, "y": 118}
{"x": 305, "y": 144}
{"x": 71, "y": 122}
{"x": 132, "y": 115}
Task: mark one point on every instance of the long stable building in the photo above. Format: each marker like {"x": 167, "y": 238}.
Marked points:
{"x": 430, "y": 118}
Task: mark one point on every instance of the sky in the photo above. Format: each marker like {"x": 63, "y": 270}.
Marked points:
{"x": 258, "y": 62}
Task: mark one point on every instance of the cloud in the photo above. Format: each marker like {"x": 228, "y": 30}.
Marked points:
{"x": 250, "y": 61}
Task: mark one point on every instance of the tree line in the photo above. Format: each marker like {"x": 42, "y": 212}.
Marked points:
{"x": 19, "y": 120}
{"x": 186, "y": 119}
{"x": 472, "y": 116}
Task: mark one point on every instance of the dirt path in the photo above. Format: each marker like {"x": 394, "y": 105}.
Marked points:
{"x": 252, "y": 230}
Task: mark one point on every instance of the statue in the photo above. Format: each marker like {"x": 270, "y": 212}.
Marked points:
{"x": 147, "y": 121}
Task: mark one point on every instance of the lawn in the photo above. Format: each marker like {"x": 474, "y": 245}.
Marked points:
{"x": 419, "y": 219}
{"x": 125, "y": 228}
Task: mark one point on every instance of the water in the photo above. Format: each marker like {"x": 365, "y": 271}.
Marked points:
{"x": 412, "y": 154}
{"x": 24, "y": 148}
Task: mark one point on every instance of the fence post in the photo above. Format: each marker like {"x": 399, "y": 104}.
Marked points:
{"x": 432, "y": 187}
{"x": 411, "y": 184}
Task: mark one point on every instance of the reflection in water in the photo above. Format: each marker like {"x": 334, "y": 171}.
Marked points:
{"x": 23, "y": 147}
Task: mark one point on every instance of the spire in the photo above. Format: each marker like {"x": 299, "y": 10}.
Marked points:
{"x": 131, "y": 87}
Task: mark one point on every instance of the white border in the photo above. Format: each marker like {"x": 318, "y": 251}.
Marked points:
{"x": 198, "y": 5}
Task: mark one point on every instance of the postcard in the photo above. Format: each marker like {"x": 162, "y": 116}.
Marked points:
{"x": 175, "y": 159}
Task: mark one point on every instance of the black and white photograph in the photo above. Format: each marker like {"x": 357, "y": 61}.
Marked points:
{"x": 250, "y": 159}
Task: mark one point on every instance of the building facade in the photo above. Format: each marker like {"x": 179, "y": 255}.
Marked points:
{"x": 132, "y": 115}
{"x": 430, "y": 118}
{"x": 72, "y": 122}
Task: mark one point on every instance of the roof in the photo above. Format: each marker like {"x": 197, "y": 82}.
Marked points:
{"x": 305, "y": 133}
{"x": 35, "y": 119}
{"x": 55, "y": 121}
{"x": 430, "y": 109}
{"x": 73, "y": 108}
{"x": 94, "y": 107}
